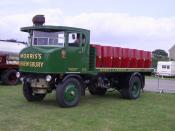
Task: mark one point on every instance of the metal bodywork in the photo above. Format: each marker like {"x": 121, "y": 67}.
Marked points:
{"x": 69, "y": 68}
{"x": 49, "y": 59}
{"x": 53, "y": 59}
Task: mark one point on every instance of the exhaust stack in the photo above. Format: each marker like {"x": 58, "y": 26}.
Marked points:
{"x": 38, "y": 20}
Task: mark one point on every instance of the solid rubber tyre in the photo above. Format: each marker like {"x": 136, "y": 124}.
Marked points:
{"x": 68, "y": 93}
{"x": 29, "y": 95}
{"x": 131, "y": 88}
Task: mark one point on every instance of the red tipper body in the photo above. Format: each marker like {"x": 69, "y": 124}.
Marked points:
{"x": 117, "y": 57}
{"x": 133, "y": 54}
{"x": 125, "y": 58}
{"x": 148, "y": 59}
{"x": 107, "y": 56}
{"x": 98, "y": 55}
{"x": 141, "y": 59}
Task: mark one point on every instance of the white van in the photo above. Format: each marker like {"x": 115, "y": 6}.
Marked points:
{"x": 166, "y": 68}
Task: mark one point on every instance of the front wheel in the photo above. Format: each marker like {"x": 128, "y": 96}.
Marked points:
{"x": 132, "y": 87}
{"x": 68, "y": 93}
{"x": 30, "y": 95}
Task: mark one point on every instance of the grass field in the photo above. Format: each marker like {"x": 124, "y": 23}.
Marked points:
{"x": 152, "y": 112}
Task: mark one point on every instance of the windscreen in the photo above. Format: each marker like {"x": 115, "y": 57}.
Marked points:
{"x": 48, "y": 38}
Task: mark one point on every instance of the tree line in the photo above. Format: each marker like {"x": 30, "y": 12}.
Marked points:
{"x": 159, "y": 55}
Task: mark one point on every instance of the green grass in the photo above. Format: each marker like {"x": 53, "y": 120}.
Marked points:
{"x": 152, "y": 112}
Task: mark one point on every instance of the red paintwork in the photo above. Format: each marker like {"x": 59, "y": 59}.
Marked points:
{"x": 98, "y": 55}
{"x": 141, "y": 59}
{"x": 117, "y": 57}
{"x": 107, "y": 56}
{"x": 125, "y": 58}
{"x": 3, "y": 64}
{"x": 148, "y": 59}
{"x": 134, "y": 55}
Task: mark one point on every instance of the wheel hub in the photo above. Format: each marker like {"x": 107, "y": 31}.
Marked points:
{"x": 135, "y": 89}
{"x": 70, "y": 93}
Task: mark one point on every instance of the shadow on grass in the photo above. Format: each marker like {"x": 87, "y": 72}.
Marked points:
{"x": 5, "y": 85}
{"x": 50, "y": 100}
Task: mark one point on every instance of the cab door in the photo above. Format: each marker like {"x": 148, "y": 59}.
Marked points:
{"x": 74, "y": 52}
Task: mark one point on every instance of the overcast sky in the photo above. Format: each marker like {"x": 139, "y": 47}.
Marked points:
{"x": 141, "y": 24}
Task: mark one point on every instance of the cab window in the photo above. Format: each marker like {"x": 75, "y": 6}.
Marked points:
{"x": 74, "y": 39}
{"x": 40, "y": 41}
{"x": 48, "y": 38}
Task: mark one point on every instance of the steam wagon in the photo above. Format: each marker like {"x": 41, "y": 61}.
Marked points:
{"x": 62, "y": 59}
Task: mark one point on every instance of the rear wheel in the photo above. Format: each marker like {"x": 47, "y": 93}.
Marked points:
{"x": 68, "y": 93}
{"x": 131, "y": 88}
{"x": 8, "y": 77}
{"x": 30, "y": 95}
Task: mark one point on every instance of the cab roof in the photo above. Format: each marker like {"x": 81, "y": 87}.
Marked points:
{"x": 49, "y": 28}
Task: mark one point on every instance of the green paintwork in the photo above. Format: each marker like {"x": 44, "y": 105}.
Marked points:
{"x": 76, "y": 59}
{"x": 70, "y": 93}
{"x": 50, "y": 58}
{"x": 49, "y": 28}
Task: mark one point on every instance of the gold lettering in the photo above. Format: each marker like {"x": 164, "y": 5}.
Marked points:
{"x": 27, "y": 64}
{"x": 37, "y": 64}
{"x": 21, "y": 55}
{"x": 35, "y": 56}
{"x": 31, "y": 56}
{"x": 31, "y": 64}
{"x": 24, "y": 56}
{"x": 28, "y": 56}
{"x": 39, "y": 55}
{"x": 42, "y": 64}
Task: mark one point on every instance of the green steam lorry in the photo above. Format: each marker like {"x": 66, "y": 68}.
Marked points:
{"x": 62, "y": 59}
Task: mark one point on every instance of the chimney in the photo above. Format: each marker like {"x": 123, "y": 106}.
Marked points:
{"x": 38, "y": 20}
